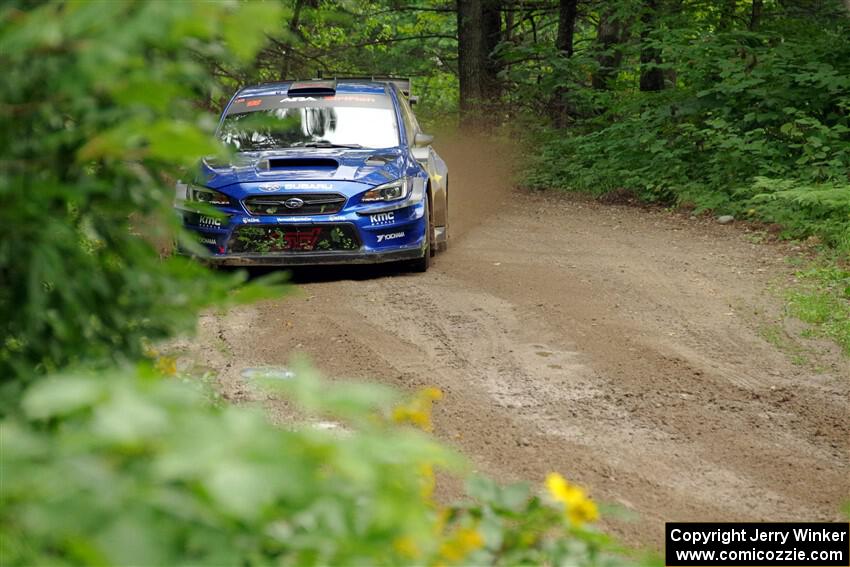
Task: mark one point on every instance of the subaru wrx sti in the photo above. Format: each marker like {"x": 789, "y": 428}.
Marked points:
{"x": 324, "y": 172}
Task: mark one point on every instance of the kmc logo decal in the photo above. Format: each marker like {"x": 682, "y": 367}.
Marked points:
{"x": 382, "y": 218}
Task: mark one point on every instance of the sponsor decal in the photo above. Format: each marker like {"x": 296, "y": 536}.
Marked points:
{"x": 285, "y": 186}
{"x": 246, "y": 220}
{"x": 390, "y": 236}
{"x": 204, "y": 220}
{"x": 254, "y": 102}
{"x": 307, "y": 186}
{"x": 297, "y": 99}
{"x": 382, "y": 218}
{"x": 336, "y": 218}
{"x": 207, "y": 240}
{"x": 353, "y": 98}
{"x": 292, "y": 219}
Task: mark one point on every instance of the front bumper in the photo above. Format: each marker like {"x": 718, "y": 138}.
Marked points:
{"x": 378, "y": 237}
{"x": 315, "y": 258}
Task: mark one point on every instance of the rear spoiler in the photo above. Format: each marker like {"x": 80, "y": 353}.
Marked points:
{"x": 401, "y": 83}
{"x": 324, "y": 86}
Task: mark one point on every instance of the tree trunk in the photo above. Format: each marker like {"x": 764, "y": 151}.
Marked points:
{"x": 567, "y": 12}
{"x": 651, "y": 76}
{"x": 509, "y": 21}
{"x": 469, "y": 63}
{"x": 727, "y": 15}
{"x": 755, "y": 14}
{"x": 609, "y": 33}
{"x": 491, "y": 31}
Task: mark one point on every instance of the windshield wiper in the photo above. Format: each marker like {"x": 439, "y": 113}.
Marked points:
{"x": 323, "y": 144}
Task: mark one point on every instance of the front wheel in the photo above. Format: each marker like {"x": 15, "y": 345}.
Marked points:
{"x": 421, "y": 265}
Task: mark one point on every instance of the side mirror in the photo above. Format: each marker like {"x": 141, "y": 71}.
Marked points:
{"x": 422, "y": 140}
{"x": 412, "y": 99}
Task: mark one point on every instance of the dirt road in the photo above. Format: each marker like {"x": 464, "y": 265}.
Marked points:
{"x": 621, "y": 347}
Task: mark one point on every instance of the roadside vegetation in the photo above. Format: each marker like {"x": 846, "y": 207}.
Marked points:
{"x": 110, "y": 456}
{"x": 823, "y": 300}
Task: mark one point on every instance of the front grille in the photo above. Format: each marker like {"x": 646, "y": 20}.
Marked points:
{"x": 295, "y": 204}
{"x": 293, "y": 238}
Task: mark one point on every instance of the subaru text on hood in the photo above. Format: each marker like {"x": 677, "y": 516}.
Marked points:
{"x": 324, "y": 172}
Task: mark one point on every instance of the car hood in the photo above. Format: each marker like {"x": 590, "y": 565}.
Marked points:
{"x": 367, "y": 166}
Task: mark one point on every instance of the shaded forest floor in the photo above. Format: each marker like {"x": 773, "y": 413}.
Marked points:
{"x": 639, "y": 353}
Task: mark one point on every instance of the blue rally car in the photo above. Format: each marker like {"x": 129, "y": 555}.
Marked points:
{"x": 325, "y": 172}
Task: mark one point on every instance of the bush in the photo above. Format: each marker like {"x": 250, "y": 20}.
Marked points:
{"x": 757, "y": 125}
{"x": 129, "y": 468}
{"x": 99, "y": 107}
{"x": 823, "y": 300}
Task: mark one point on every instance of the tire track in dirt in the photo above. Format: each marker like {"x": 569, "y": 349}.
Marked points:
{"x": 618, "y": 346}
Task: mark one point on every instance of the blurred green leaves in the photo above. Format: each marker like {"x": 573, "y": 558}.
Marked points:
{"x": 100, "y": 106}
{"x": 250, "y": 17}
{"x": 125, "y": 469}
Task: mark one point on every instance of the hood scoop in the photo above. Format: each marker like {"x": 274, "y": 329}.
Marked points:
{"x": 299, "y": 164}
{"x": 380, "y": 159}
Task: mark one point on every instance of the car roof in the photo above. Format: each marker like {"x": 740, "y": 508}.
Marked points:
{"x": 345, "y": 86}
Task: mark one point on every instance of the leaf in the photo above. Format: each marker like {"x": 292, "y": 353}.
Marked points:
{"x": 127, "y": 418}
{"x": 482, "y": 488}
{"x": 243, "y": 28}
{"x": 515, "y": 497}
{"x": 61, "y": 395}
{"x": 240, "y": 488}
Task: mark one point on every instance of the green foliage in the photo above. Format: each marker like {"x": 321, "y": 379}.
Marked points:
{"x": 755, "y": 124}
{"x": 805, "y": 209}
{"x": 363, "y": 38}
{"x": 100, "y": 115}
{"x": 139, "y": 470}
{"x": 129, "y": 468}
{"x": 517, "y": 526}
{"x": 823, "y": 300}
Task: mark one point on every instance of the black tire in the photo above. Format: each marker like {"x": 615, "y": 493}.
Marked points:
{"x": 421, "y": 265}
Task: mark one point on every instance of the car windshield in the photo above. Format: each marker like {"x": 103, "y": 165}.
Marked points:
{"x": 344, "y": 120}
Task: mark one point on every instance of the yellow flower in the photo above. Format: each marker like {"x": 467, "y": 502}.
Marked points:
{"x": 583, "y": 512}
{"x": 578, "y": 508}
{"x": 463, "y": 542}
{"x": 148, "y": 350}
{"x": 166, "y": 365}
{"x": 429, "y": 481}
{"x": 406, "y": 547}
{"x": 443, "y": 515}
{"x": 418, "y": 410}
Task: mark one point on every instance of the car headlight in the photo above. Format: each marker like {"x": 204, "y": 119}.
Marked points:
{"x": 392, "y": 191}
{"x": 208, "y": 196}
